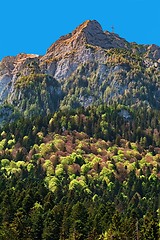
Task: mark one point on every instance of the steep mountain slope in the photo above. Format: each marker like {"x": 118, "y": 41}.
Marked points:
{"x": 87, "y": 66}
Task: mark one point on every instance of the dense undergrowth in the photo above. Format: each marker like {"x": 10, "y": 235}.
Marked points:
{"x": 81, "y": 174}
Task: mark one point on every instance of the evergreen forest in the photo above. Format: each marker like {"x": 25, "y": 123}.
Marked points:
{"x": 83, "y": 174}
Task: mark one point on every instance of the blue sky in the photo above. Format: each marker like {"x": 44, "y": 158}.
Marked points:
{"x": 32, "y": 26}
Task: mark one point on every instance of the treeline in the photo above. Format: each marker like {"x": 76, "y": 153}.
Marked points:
{"x": 103, "y": 122}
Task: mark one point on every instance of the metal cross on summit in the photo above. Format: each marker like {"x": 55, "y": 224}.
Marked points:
{"x": 112, "y": 28}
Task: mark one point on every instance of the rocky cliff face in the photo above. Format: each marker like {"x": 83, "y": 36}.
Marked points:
{"x": 88, "y": 43}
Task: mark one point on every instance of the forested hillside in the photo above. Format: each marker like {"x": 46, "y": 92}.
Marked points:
{"x": 89, "y": 174}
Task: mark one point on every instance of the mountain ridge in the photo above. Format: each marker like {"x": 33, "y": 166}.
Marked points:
{"x": 81, "y": 36}
{"x": 87, "y": 63}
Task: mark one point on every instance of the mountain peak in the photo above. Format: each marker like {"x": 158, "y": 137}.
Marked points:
{"x": 88, "y": 25}
{"x": 89, "y": 32}
{"x": 75, "y": 39}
